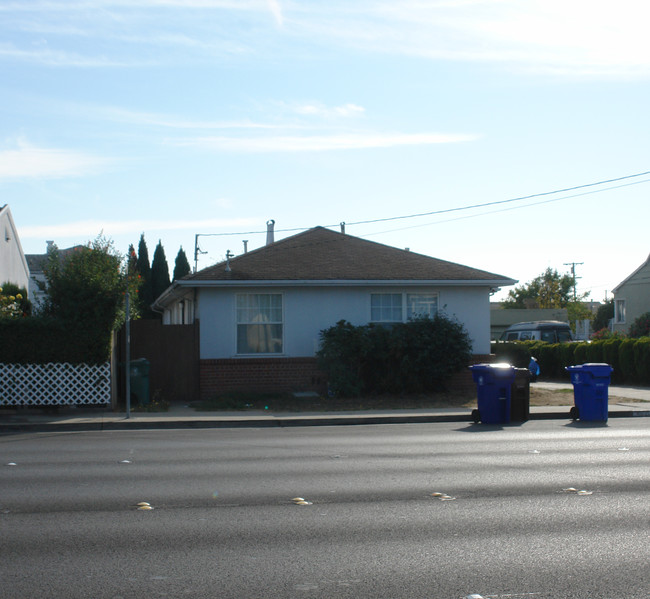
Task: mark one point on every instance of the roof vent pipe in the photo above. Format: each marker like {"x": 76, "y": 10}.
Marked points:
{"x": 269, "y": 232}
{"x": 245, "y": 246}
{"x": 343, "y": 227}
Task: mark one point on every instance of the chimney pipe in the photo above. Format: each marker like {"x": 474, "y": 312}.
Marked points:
{"x": 343, "y": 228}
{"x": 269, "y": 232}
{"x": 245, "y": 246}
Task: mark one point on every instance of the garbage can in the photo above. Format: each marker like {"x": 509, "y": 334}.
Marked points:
{"x": 590, "y": 390}
{"x": 520, "y": 396}
{"x": 139, "y": 370}
{"x": 493, "y": 388}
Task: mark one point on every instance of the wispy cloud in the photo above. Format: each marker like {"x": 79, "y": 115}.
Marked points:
{"x": 30, "y": 162}
{"x": 320, "y": 143}
{"x": 590, "y": 37}
{"x": 320, "y": 110}
{"x": 91, "y": 228}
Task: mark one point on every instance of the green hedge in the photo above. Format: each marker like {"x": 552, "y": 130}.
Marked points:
{"x": 413, "y": 357}
{"x": 630, "y": 358}
{"x": 39, "y": 340}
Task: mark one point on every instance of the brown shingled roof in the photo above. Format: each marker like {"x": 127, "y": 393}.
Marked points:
{"x": 320, "y": 254}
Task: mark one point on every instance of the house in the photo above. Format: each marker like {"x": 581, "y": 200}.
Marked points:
{"x": 261, "y": 312}
{"x": 632, "y": 298}
{"x": 13, "y": 265}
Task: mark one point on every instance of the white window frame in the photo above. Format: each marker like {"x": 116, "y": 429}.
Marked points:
{"x": 619, "y": 311}
{"x": 406, "y": 300}
{"x": 262, "y": 326}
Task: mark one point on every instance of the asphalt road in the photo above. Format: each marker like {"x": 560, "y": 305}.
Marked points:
{"x": 223, "y": 522}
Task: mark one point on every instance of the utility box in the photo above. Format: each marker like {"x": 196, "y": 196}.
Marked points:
{"x": 493, "y": 388}
{"x": 590, "y": 391}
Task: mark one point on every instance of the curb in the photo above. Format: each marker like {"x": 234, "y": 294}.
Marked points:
{"x": 162, "y": 424}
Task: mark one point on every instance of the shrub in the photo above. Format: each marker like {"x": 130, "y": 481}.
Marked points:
{"x": 611, "y": 349}
{"x": 580, "y": 353}
{"x": 641, "y": 326}
{"x": 626, "y": 360}
{"x": 594, "y": 352}
{"x": 642, "y": 360}
{"x": 515, "y": 353}
{"x": 416, "y": 356}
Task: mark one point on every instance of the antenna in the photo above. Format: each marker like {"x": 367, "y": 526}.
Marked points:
{"x": 197, "y": 251}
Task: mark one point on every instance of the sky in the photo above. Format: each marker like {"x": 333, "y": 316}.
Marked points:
{"x": 506, "y": 135}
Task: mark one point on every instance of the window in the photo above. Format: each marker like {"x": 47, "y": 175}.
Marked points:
{"x": 421, "y": 304}
{"x": 619, "y": 311}
{"x": 259, "y": 323}
{"x": 391, "y": 307}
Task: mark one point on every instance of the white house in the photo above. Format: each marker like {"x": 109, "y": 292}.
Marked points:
{"x": 261, "y": 312}
{"x": 13, "y": 265}
{"x": 632, "y": 298}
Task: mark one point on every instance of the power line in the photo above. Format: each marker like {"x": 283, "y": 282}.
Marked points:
{"x": 458, "y": 209}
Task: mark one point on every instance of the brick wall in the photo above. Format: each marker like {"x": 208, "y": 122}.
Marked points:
{"x": 287, "y": 374}
{"x": 260, "y": 374}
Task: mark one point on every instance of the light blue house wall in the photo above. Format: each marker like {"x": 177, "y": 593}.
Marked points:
{"x": 314, "y": 308}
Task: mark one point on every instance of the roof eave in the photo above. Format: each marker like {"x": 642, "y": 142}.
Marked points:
{"x": 345, "y": 283}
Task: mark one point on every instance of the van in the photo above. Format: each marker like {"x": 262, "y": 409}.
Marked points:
{"x": 552, "y": 331}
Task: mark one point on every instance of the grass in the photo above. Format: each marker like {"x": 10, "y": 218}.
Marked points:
{"x": 287, "y": 402}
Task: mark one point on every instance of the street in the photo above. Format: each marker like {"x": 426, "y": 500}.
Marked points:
{"x": 546, "y": 509}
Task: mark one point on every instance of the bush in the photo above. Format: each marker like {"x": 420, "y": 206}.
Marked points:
{"x": 580, "y": 353}
{"x": 611, "y": 349}
{"x": 39, "y": 340}
{"x": 594, "y": 353}
{"x": 412, "y": 357}
{"x": 642, "y": 360}
{"x": 641, "y": 326}
{"x": 516, "y": 353}
{"x": 626, "y": 360}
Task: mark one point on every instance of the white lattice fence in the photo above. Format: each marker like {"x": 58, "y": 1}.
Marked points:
{"x": 54, "y": 384}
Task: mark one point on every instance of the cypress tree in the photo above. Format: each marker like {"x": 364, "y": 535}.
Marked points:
{"x": 181, "y": 266}
{"x": 159, "y": 271}
{"x": 144, "y": 268}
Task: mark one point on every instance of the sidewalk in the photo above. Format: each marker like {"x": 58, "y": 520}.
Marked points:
{"x": 624, "y": 402}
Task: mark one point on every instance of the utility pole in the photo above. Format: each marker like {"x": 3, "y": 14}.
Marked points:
{"x": 573, "y": 274}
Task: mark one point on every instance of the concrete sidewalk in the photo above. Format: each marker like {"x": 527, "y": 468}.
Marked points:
{"x": 624, "y": 402}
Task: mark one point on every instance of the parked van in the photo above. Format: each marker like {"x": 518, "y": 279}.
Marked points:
{"x": 552, "y": 331}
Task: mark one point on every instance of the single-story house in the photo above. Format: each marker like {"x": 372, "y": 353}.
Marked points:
{"x": 260, "y": 313}
{"x": 13, "y": 264}
{"x": 632, "y": 298}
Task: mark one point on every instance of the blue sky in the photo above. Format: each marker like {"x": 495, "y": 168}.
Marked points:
{"x": 174, "y": 118}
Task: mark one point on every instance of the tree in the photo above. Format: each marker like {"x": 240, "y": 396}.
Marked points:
{"x": 159, "y": 272}
{"x": 181, "y": 265}
{"x": 86, "y": 292}
{"x": 604, "y": 314}
{"x": 144, "y": 268}
{"x": 548, "y": 290}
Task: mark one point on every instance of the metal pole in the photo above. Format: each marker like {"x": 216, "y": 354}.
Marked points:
{"x": 128, "y": 354}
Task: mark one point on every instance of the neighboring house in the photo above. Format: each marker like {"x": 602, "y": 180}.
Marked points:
{"x": 13, "y": 265}
{"x": 37, "y": 278}
{"x": 261, "y": 312}
{"x": 632, "y": 298}
{"x": 501, "y": 318}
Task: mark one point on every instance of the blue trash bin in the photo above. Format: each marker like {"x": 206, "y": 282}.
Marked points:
{"x": 590, "y": 391}
{"x": 493, "y": 388}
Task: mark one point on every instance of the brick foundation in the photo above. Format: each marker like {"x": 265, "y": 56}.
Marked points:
{"x": 260, "y": 374}
{"x": 288, "y": 374}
